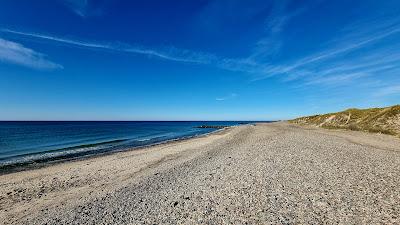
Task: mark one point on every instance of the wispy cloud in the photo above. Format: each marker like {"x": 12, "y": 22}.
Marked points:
{"x": 170, "y": 53}
{"x": 356, "y": 44}
{"x": 337, "y": 63}
{"x": 351, "y": 45}
{"x": 85, "y": 8}
{"x": 164, "y": 53}
{"x": 356, "y": 56}
{"x": 335, "y": 79}
{"x": 388, "y": 90}
{"x": 77, "y": 6}
{"x": 15, "y": 53}
{"x": 271, "y": 41}
{"x": 227, "y": 97}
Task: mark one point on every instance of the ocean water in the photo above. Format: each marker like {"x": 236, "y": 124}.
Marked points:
{"x": 33, "y": 142}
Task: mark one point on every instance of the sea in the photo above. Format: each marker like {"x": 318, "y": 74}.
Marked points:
{"x": 37, "y": 142}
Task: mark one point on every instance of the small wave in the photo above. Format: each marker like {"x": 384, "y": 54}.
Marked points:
{"x": 93, "y": 144}
{"x": 144, "y": 139}
{"x": 82, "y": 150}
{"x": 154, "y": 137}
{"x": 60, "y": 152}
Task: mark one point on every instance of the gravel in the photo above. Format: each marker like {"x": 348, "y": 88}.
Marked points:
{"x": 265, "y": 174}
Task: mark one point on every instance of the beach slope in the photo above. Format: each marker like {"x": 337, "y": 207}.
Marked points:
{"x": 275, "y": 173}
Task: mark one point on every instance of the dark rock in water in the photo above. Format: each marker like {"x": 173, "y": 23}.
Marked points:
{"x": 212, "y": 126}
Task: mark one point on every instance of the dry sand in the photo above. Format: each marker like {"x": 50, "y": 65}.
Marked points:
{"x": 264, "y": 174}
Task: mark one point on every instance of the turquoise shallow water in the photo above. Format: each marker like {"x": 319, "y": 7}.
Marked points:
{"x": 29, "y": 142}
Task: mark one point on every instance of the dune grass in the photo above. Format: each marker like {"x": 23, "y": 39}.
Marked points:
{"x": 375, "y": 120}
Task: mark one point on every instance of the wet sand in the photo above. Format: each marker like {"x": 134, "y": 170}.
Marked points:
{"x": 265, "y": 174}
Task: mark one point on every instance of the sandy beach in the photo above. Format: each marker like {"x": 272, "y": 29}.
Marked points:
{"x": 274, "y": 173}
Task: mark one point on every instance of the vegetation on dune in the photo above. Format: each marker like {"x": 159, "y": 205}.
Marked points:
{"x": 376, "y": 120}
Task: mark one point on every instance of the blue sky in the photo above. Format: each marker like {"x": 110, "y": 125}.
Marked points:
{"x": 196, "y": 60}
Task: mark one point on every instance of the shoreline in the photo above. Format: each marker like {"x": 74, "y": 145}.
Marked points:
{"x": 41, "y": 163}
{"x": 74, "y": 181}
{"x": 304, "y": 176}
